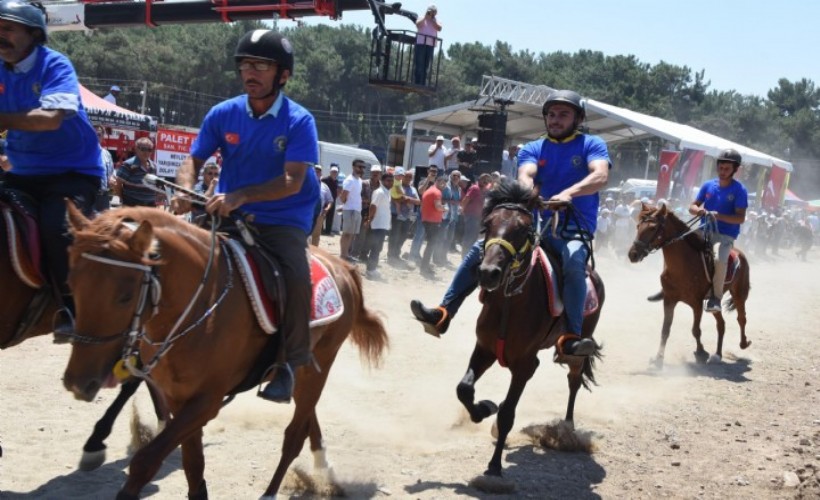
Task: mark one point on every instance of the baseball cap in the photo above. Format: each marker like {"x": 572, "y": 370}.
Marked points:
{"x": 455, "y": 139}
{"x": 474, "y": 140}
{"x": 398, "y": 171}
{"x": 317, "y": 167}
{"x": 115, "y": 88}
{"x": 334, "y": 168}
{"x": 440, "y": 138}
{"x": 376, "y": 168}
{"x": 466, "y": 178}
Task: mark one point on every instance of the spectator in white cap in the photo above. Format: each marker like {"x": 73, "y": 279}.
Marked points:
{"x": 360, "y": 241}
{"x": 451, "y": 161}
{"x": 112, "y": 95}
{"x": 437, "y": 154}
{"x": 332, "y": 183}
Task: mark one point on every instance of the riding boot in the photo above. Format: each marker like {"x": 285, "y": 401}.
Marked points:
{"x": 574, "y": 345}
{"x": 435, "y": 321}
{"x": 280, "y": 389}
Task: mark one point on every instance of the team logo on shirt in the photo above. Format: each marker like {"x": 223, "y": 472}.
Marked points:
{"x": 577, "y": 161}
{"x": 232, "y": 138}
{"x": 542, "y": 162}
{"x": 731, "y": 197}
{"x": 36, "y": 88}
{"x": 280, "y": 143}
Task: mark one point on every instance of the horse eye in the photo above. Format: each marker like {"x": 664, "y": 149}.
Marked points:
{"x": 125, "y": 298}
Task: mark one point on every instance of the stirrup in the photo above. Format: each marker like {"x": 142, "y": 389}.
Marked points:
{"x": 582, "y": 350}
{"x": 62, "y": 325}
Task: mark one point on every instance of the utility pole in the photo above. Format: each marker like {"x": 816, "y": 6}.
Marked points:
{"x": 144, "y": 93}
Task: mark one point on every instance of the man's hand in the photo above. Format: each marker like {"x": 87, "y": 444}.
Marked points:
{"x": 561, "y": 198}
{"x": 180, "y": 204}
{"x": 224, "y": 204}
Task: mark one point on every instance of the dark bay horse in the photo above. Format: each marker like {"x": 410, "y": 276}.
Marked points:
{"x": 685, "y": 277}
{"x": 194, "y": 286}
{"x": 26, "y": 311}
{"x": 515, "y": 322}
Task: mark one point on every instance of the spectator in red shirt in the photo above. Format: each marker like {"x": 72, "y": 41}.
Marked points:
{"x": 471, "y": 206}
{"x": 432, "y": 213}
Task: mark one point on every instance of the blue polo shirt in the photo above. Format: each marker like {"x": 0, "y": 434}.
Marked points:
{"x": 254, "y": 151}
{"x": 724, "y": 200}
{"x": 562, "y": 164}
{"x": 46, "y": 79}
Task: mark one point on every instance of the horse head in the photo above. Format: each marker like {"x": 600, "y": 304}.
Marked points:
{"x": 650, "y": 232}
{"x": 509, "y": 237}
{"x": 109, "y": 265}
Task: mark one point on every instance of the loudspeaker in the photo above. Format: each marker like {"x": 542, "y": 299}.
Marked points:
{"x": 490, "y": 138}
{"x": 491, "y": 154}
{"x": 496, "y": 121}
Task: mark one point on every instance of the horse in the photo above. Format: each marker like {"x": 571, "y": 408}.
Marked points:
{"x": 26, "y": 311}
{"x": 686, "y": 278}
{"x": 512, "y": 326}
{"x": 110, "y": 259}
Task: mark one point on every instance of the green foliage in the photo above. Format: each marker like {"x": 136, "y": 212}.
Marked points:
{"x": 188, "y": 68}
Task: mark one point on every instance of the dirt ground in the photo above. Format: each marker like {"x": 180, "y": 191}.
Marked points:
{"x": 748, "y": 427}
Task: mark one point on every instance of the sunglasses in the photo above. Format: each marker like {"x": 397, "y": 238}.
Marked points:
{"x": 256, "y": 65}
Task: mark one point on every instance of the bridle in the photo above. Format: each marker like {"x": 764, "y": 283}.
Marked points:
{"x": 520, "y": 265}
{"x": 658, "y": 241}
{"x": 150, "y": 287}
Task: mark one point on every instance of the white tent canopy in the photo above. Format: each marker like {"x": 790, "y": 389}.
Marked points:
{"x": 611, "y": 123}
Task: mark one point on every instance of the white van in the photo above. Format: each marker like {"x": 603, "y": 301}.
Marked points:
{"x": 343, "y": 156}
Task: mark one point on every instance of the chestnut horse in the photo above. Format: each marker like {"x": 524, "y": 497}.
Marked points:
{"x": 27, "y": 311}
{"x": 194, "y": 287}
{"x": 515, "y": 322}
{"x": 685, "y": 278}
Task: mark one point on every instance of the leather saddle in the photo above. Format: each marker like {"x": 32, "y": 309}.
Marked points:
{"x": 20, "y": 221}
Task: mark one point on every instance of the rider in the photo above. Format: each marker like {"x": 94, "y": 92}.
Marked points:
{"x": 268, "y": 144}
{"x": 724, "y": 200}
{"x": 51, "y": 145}
{"x": 568, "y": 166}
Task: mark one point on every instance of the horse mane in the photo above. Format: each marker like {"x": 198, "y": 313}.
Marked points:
{"x": 106, "y": 231}
{"x": 695, "y": 239}
{"x": 507, "y": 191}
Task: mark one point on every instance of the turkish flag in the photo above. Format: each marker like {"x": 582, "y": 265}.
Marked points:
{"x": 773, "y": 188}
{"x": 668, "y": 161}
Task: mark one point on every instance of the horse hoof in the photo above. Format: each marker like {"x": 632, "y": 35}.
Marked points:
{"x": 484, "y": 409}
{"x": 656, "y": 363}
{"x": 701, "y": 356}
{"x": 91, "y": 460}
{"x": 745, "y": 343}
{"x": 714, "y": 359}
{"x": 492, "y": 482}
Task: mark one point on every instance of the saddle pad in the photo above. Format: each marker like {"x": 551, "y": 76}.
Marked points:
{"x": 556, "y": 305}
{"x": 24, "y": 250}
{"x": 732, "y": 267}
{"x": 326, "y": 301}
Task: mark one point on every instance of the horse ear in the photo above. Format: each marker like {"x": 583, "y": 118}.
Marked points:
{"x": 76, "y": 220}
{"x": 662, "y": 210}
{"x": 142, "y": 239}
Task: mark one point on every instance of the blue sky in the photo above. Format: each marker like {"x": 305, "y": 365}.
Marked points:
{"x": 745, "y": 45}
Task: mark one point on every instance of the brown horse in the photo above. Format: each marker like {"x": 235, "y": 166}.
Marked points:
{"x": 217, "y": 345}
{"x": 685, "y": 278}
{"x": 26, "y": 311}
{"x": 513, "y": 325}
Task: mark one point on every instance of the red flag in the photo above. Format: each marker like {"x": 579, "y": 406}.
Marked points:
{"x": 773, "y": 188}
{"x": 687, "y": 173}
{"x": 668, "y": 161}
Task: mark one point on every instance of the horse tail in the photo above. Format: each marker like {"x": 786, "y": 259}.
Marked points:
{"x": 368, "y": 333}
{"x": 730, "y": 304}
{"x": 588, "y": 371}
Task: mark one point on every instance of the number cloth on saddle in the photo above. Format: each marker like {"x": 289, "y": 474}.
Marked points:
{"x": 265, "y": 288}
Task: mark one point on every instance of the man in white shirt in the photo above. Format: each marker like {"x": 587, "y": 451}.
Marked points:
{"x": 112, "y": 95}
{"x": 452, "y": 156}
{"x": 351, "y": 197}
{"x": 378, "y": 222}
{"x": 437, "y": 154}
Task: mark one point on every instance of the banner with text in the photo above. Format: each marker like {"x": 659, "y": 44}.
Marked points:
{"x": 668, "y": 161}
{"x": 173, "y": 146}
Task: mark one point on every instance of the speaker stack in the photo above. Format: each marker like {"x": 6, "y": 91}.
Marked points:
{"x": 492, "y": 131}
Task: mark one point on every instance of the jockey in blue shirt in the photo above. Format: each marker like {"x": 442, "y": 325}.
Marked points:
{"x": 52, "y": 147}
{"x": 268, "y": 144}
{"x": 568, "y": 166}
{"x": 722, "y": 200}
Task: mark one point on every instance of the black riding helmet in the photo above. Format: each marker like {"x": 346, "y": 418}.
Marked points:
{"x": 565, "y": 97}
{"x": 26, "y": 14}
{"x": 268, "y": 45}
{"x": 730, "y": 155}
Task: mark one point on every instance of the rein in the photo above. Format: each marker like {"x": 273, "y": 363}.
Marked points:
{"x": 519, "y": 256}
{"x": 150, "y": 283}
{"x": 648, "y": 248}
